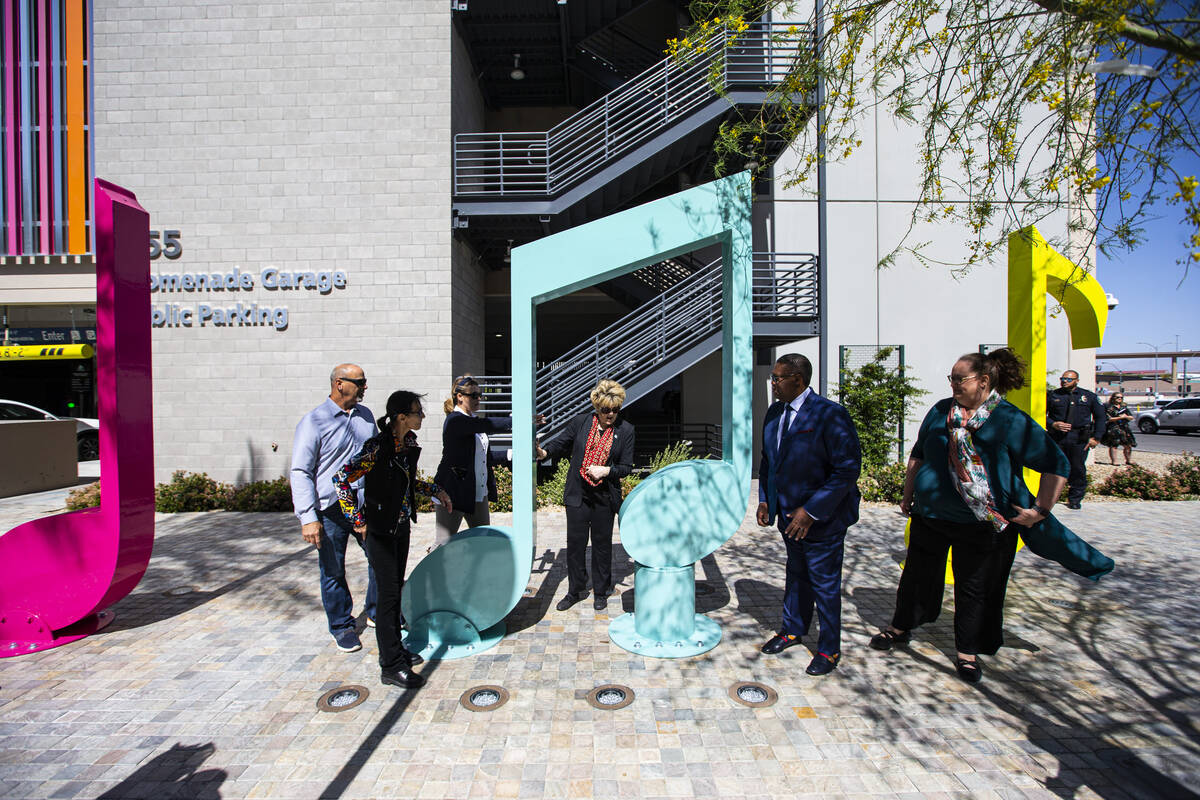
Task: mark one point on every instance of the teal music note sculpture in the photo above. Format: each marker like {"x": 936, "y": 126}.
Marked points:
{"x": 681, "y": 513}
{"x": 457, "y": 597}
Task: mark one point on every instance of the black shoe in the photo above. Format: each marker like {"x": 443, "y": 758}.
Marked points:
{"x": 412, "y": 658}
{"x": 600, "y": 600}
{"x": 779, "y": 642}
{"x": 568, "y": 601}
{"x": 969, "y": 671}
{"x": 886, "y": 639}
{"x": 1074, "y": 505}
{"x": 822, "y": 664}
{"x": 403, "y": 677}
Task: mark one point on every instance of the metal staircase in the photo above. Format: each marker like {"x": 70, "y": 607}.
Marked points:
{"x": 624, "y": 140}
{"x": 665, "y": 336}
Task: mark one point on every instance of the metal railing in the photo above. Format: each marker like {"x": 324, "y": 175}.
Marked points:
{"x": 546, "y": 163}
{"x": 655, "y": 437}
{"x": 632, "y": 348}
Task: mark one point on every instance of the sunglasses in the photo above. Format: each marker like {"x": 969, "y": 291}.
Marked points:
{"x": 1065, "y": 379}
{"x": 359, "y": 382}
{"x": 608, "y": 410}
{"x": 472, "y": 395}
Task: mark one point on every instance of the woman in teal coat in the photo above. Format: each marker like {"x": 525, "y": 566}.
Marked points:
{"x": 964, "y": 489}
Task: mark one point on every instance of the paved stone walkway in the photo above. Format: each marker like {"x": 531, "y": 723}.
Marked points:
{"x": 206, "y": 684}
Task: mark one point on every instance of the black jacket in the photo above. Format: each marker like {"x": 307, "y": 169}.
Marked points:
{"x": 574, "y": 441}
{"x": 1079, "y": 407}
{"x": 456, "y": 472}
{"x": 388, "y": 483}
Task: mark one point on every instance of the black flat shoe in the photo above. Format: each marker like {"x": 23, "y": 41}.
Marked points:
{"x": 969, "y": 671}
{"x": 886, "y": 639}
{"x": 568, "y": 601}
{"x": 779, "y": 642}
{"x": 403, "y": 677}
{"x": 822, "y": 664}
{"x": 412, "y": 658}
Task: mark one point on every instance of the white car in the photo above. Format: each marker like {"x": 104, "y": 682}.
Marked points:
{"x": 1181, "y": 416}
{"x": 87, "y": 431}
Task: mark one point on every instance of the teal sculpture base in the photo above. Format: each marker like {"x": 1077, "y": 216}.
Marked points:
{"x": 664, "y": 622}
{"x": 445, "y": 636}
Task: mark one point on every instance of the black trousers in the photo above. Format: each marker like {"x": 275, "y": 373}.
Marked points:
{"x": 982, "y": 559}
{"x": 388, "y": 554}
{"x": 1076, "y": 453}
{"x": 595, "y": 515}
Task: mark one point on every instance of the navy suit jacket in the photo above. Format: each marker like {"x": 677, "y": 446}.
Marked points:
{"x": 814, "y": 467}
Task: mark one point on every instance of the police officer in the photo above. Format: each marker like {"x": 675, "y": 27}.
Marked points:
{"x": 1075, "y": 420}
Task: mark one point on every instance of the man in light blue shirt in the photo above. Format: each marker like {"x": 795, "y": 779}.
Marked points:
{"x": 326, "y": 438}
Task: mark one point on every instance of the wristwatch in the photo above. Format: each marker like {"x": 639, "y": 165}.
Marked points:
{"x": 1045, "y": 512}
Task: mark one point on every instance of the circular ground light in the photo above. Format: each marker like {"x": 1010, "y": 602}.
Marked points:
{"x": 752, "y": 694}
{"x": 343, "y": 698}
{"x": 610, "y": 697}
{"x": 484, "y": 698}
{"x": 179, "y": 591}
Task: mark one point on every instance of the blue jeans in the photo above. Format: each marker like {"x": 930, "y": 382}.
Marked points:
{"x": 331, "y": 555}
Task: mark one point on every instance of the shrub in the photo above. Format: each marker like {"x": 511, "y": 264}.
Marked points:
{"x": 84, "y": 497}
{"x": 504, "y": 500}
{"x": 1186, "y": 470}
{"x": 273, "y": 495}
{"x": 883, "y": 484}
{"x": 1137, "y": 482}
{"x": 550, "y": 491}
{"x": 671, "y": 454}
{"x": 877, "y": 398}
{"x": 190, "y": 491}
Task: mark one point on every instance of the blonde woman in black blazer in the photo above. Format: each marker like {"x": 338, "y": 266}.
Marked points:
{"x": 605, "y": 442}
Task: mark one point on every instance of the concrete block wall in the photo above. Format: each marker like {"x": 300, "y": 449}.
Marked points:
{"x": 306, "y": 136}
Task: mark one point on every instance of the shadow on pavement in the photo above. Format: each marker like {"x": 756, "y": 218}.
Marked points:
{"x": 173, "y": 774}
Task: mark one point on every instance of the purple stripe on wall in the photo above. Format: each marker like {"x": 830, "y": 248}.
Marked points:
{"x": 45, "y": 122}
{"x": 10, "y": 132}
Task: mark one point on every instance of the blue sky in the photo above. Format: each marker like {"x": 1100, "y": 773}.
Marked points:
{"x": 1155, "y": 306}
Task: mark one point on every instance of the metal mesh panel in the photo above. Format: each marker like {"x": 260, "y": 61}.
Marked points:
{"x": 984, "y": 349}
{"x": 855, "y": 356}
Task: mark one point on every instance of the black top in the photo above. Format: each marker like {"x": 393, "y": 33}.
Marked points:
{"x": 1079, "y": 407}
{"x": 573, "y": 440}
{"x": 456, "y": 472}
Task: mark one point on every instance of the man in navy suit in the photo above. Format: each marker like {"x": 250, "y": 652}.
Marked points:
{"x": 807, "y": 480}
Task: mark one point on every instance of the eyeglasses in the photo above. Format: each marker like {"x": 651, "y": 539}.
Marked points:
{"x": 418, "y": 413}
{"x": 1065, "y": 379}
{"x": 778, "y": 378}
{"x": 472, "y": 395}
{"x": 608, "y": 410}
{"x": 359, "y": 382}
{"x": 959, "y": 380}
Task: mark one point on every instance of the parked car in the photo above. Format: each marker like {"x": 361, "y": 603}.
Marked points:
{"x": 87, "y": 431}
{"x": 1181, "y": 416}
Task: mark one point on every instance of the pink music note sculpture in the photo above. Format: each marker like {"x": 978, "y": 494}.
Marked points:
{"x": 58, "y": 574}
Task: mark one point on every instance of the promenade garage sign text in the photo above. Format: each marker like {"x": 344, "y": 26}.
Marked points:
{"x": 238, "y": 314}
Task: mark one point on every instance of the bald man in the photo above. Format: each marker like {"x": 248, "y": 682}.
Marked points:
{"x": 326, "y": 438}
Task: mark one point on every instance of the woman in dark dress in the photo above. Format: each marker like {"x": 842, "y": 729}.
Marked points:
{"x": 1118, "y": 433}
{"x": 601, "y": 449}
{"x": 389, "y": 462}
{"x": 964, "y": 488}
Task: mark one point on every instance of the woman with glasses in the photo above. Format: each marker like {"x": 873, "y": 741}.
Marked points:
{"x": 1118, "y": 433}
{"x": 466, "y": 471}
{"x": 964, "y": 489}
{"x": 388, "y": 461}
{"x": 601, "y": 449}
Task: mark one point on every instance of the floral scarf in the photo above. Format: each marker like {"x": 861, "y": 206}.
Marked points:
{"x": 971, "y": 478}
{"x": 595, "y": 452}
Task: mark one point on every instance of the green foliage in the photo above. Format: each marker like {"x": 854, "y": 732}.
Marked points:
{"x": 504, "y": 498}
{"x": 190, "y": 491}
{"x": 260, "y": 496}
{"x": 1013, "y": 123}
{"x": 1186, "y": 470}
{"x": 882, "y": 484}
{"x": 84, "y": 497}
{"x": 550, "y": 491}
{"x": 876, "y": 397}
{"x": 1139, "y": 483}
{"x": 671, "y": 454}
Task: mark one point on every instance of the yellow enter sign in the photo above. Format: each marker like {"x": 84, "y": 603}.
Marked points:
{"x": 38, "y": 352}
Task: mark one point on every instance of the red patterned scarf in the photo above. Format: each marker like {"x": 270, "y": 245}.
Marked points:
{"x": 595, "y": 453}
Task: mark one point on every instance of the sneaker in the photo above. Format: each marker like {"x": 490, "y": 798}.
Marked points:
{"x": 347, "y": 640}
{"x": 370, "y": 622}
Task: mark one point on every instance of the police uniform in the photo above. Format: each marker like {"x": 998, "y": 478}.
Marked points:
{"x": 1083, "y": 410}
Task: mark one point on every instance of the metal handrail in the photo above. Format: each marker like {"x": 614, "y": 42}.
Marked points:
{"x": 784, "y": 286}
{"x": 547, "y": 163}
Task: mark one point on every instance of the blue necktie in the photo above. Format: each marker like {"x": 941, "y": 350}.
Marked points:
{"x": 786, "y": 424}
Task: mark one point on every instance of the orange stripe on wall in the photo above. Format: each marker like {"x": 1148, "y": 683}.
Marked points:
{"x": 75, "y": 89}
